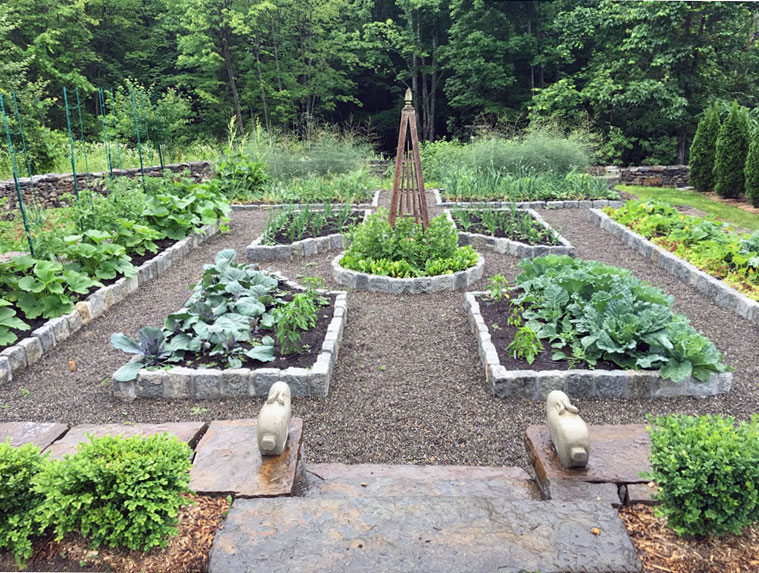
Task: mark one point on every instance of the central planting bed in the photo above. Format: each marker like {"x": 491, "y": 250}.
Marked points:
{"x": 406, "y": 258}
{"x": 590, "y": 330}
{"x": 241, "y": 331}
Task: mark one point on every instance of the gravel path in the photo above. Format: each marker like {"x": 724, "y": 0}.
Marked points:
{"x": 408, "y": 386}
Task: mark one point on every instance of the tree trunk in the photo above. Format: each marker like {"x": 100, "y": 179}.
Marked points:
{"x": 231, "y": 76}
{"x": 682, "y": 145}
{"x": 264, "y": 105}
{"x": 276, "y": 51}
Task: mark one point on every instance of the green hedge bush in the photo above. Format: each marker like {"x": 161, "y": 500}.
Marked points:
{"x": 707, "y": 470}
{"x": 730, "y": 155}
{"x": 752, "y": 173}
{"x": 702, "y": 152}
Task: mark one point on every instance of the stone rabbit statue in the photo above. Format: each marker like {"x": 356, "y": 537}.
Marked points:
{"x": 569, "y": 433}
{"x": 274, "y": 420}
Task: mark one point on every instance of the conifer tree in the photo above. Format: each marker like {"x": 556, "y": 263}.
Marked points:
{"x": 702, "y": 151}
{"x": 731, "y": 151}
{"x": 752, "y": 171}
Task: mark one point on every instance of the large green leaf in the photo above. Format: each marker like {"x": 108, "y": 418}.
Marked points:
{"x": 128, "y": 371}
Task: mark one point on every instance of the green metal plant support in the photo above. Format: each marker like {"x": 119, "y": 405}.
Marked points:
{"x": 37, "y": 212}
{"x": 73, "y": 158}
{"x": 106, "y": 139}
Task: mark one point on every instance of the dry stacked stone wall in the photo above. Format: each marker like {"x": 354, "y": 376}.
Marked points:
{"x": 50, "y": 187}
{"x": 652, "y": 175}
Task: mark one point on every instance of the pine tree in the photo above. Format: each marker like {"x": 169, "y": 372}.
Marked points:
{"x": 752, "y": 171}
{"x": 731, "y": 151}
{"x": 702, "y": 151}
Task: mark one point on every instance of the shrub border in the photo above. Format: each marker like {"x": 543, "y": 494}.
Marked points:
{"x": 298, "y": 249}
{"x": 508, "y": 246}
{"x": 535, "y": 385}
{"x": 722, "y": 294}
{"x": 181, "y": 382}
{"x": 573, "y": 204}
{"x": 43, "y": 339}
{"x": 264, "y": 206}
{"x": 357, "y": 280}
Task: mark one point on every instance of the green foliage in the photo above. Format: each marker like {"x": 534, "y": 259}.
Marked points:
{"x": 9, "y": 320}
{"x": 498, "y": 288}
{"x": 702, "y": 151}
{"x": 526, "y": 344}
{"x": 513, "y": 224}
{"x": 308, "y": 221}
{"x": 406, "y": 250}
{"x": 708, "y": 244}
{"x": 91, "y": 255}
{"x": 297, "y": 315}
{"x": 752, "y": 172}
{"x": 730, "y": 154}
{"x": 239, "y": 176}
{"x": 707, "y": 472}
{"x": 597, "y": 312}
{"x": 18, "y": 501}
{"x": 122, "y": 492}
{"x": 150, "y": 346}
{"x": 354, "y": 186}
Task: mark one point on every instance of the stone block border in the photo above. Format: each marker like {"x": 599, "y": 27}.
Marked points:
{"x": 31, "y": 349}
{"x": 364, "y": 281}
{"x": 213, "y": 383}
{"x": 299, "y": 249}
{"x": 723, "y": 295}
{"x": 254, "y": 206}
{"x": 534, "y": 385}
{"x": 581, "y": 204}
{"x": 515, "y": 248}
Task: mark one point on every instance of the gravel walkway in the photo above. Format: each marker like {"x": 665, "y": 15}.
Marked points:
{"x": 408, "y": 386}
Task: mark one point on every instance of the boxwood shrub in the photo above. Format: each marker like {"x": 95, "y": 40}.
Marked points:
{"x": 707, "y": 470}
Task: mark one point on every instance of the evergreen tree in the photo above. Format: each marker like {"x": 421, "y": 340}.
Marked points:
{"x": 702, "y": 151}
{"x": 730, "y": 156}
{"x": 752, "y": 172}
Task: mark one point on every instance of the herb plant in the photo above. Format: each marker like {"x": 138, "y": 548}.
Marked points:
{"x": 526, "y": 344}
{"x": 510, "y": 223}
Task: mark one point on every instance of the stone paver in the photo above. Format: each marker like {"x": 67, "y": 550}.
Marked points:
{"x": 640, "y": 493}
{"x": 370, "y": 480}
{"x": 227, "y": 460}
{"x": 618, "y": 454}
{"x": 437, "y": 534}
{"x": 40, "y": 434}
{"x": 184, "y": 431}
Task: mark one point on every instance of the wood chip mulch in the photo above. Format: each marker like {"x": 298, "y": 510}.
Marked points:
{"x": 187, "y": 552}
{"x": 661, "y": 549}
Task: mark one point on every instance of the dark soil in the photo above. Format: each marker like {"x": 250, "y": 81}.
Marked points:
{"x": 514, "y": 230}
{"x": 496, "y": 315}
{"x": 331, "y": 227}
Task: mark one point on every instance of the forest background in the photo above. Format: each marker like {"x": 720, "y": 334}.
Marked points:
{"x": 635, "y": 76}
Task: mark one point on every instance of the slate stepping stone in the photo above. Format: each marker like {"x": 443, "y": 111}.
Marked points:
{"x": 370, "y": 480}
{"x": 227, "y": 460}
{"x": 40, "y": 434}
{"x": 618, "y": 454}
{"x": 184, "y": 431}
{"x": 438, "y": 534}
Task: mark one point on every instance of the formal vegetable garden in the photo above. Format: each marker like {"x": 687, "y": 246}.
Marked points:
{"x": 508, "y": 223}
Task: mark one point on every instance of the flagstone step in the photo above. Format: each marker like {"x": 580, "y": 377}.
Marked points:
{"x": 370, "y": 480}
{"x": 421, "y": 533}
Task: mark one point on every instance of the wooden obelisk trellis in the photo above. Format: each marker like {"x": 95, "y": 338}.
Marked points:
{"x": 408, "y": 184}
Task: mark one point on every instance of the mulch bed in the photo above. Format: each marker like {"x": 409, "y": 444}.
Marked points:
{"x": 187, "y": 552}
{"x": 661, "y": 549}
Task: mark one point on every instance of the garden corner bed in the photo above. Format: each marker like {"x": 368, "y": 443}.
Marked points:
{"x": 559, "y": 204}
{"x": 502, "y": 235}
{"x": 536, "y": 384}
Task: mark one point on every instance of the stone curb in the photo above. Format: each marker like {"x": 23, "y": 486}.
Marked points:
{"x": 265, "y": 206}
{"x": 579, "y": 204}
{"x": 535, "y": 385}
{"x": 722, "y": 294}
{"x": 31, "y": 349}
{"x": 515, "y": 248}
{"x": 299, "y": 249}
{"x": 212, "y": 383}
{"x": 376, "y": 283}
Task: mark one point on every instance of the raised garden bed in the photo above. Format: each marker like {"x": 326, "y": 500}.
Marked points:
{"x": 512, "y": 238}
{"x": 599, "y": 383}
{"x": 329, "y": 239}
{"x": 723, "y": 295}
{"x": 307, "y": 372}
{"x": 41, "y": 340}
{"x": 248, "y": 206}
{"x": 568, "y": 204}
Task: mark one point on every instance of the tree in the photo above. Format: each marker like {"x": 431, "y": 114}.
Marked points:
{"x": 730, "y": 156}
{"x": 702, "y": 151}
{"x": 752, "y": 172}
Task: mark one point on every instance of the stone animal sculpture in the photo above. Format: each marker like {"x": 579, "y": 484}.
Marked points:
{"x": 274, "y": 420}
{"x": 569, "y": 433}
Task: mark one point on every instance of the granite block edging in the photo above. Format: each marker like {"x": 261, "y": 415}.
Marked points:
{"x": 515, "y": 248}
{"x": 256, "y": 252}
{"x": 266, "y": 206}
{"x": 357, "y": 280}
{"x": 535, "y": 385}
{"x": 722, "y": 294}
{"x": 569, "y": 204}
{"x": 210, "y": 383}
{"x": 29, "y": 350}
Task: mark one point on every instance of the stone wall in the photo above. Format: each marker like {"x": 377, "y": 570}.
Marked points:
{"x": 652, "y": 175}
{"x": 50, "y": 187}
